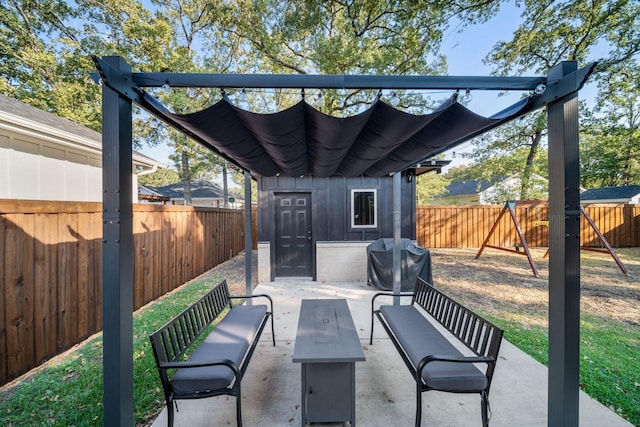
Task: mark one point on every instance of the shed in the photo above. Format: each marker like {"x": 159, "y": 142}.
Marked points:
{"x": 319, "y": 227}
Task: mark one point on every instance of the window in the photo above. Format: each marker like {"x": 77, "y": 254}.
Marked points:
{"x": 364, "y": 206}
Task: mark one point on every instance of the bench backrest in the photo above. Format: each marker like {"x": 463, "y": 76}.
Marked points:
{"x": 478, "y": 334}
{"x": 172, "y": 340}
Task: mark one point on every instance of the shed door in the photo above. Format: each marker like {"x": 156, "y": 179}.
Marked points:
{"x": 293, "y": 256}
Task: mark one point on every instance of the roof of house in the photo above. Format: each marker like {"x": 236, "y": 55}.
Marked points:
{"x": 18, "y": 108}
{"x": 465, "y": 188}
{"x": 613, "y": 193}
{"x": 82, "y": 135}
{"x": 200, "y": 189}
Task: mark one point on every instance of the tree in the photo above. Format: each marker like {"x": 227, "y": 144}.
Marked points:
{"x": 610, "y": 148}
{"x": 607, "y": 31}
{"x": 497, "y": 164}
{"x": 160, "y": 178}
{"x": 430, "y": 186}
{"x": 355, "y": 37}
{"x": 510, "y": 149}
{"x": 45, "y": 60}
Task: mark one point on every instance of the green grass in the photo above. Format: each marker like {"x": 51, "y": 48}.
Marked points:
{"x": 69, "y": 392}
{"x": 609, "y": 359}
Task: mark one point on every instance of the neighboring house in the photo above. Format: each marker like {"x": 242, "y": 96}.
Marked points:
{"x": 46, "y": 157}
{"x": 624, "y": 194}
{"x": 477, "y": 192}
{"x": 463, "y": 193}
{"x": 203, "y": 193}
{"x": 147, "y": 194}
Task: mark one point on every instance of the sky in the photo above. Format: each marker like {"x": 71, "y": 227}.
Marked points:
{"x": 465, "y": 52}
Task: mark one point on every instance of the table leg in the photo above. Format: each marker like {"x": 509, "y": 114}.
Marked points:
{"x": 303, "y": 403}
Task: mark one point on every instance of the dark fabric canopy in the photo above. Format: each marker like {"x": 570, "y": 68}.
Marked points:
{"x": 304, "y": 141}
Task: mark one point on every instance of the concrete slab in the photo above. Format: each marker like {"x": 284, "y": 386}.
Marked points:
{"x": 385, "y": 392}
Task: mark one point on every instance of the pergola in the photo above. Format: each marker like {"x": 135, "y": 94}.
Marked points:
{"x": 265, "y": 145}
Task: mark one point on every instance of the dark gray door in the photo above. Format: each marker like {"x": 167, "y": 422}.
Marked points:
{"x": 293, "y": 239}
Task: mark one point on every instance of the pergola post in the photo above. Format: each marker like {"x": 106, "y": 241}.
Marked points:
{"x": 117, "y": 254}
{"x": 564, "y": 259}
{"x": 248, "y": 237}
{"x": 397, "y": 231}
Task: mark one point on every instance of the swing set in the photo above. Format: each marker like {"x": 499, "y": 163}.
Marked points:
{"x": 510, "y": 208}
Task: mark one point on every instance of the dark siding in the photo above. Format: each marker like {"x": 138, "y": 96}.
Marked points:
{"x": 331, "y": 208}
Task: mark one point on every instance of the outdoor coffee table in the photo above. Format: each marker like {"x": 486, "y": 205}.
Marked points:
{"x": 327, "y": 345}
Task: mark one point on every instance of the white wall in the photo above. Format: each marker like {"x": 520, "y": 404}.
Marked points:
{"x": 335, "y": 261}
{"x": 36, "y": 169}
{"x": 341, "y": 261}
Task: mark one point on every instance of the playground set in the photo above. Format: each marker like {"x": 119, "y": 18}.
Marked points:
{"x": 510, "y": 208}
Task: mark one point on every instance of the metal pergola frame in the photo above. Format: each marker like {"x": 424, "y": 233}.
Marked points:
{"x": 121, "y": 88}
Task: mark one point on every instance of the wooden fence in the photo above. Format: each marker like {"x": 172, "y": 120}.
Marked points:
{"x": 468, "y": 226}
{"x": 51, "y": 268}
{"x": 51, "y": 259}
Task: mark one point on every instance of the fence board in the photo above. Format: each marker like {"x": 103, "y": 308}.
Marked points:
{"x": 46, "y": 270}
{"x": 19, "y": 294}
{"x": 83, "y": 273}
{"x": 68, "y": 282}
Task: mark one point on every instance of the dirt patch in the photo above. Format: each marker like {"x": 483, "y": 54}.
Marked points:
{"x": 233, "y": 271}
{"x": 500, "y": 282}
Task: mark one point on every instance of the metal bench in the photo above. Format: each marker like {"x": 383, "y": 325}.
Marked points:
{"x": 215, "y": 365}
{"x": 432, "y": 358}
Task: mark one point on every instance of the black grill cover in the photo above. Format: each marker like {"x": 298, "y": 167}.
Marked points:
{"x": 415, "y": 262}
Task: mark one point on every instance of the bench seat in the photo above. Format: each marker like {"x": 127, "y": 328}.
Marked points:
{"x": 229, "y": 340}
{"x": 420, "y": 338}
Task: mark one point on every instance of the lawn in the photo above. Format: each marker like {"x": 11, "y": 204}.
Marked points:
{"x": 68, "y": 390}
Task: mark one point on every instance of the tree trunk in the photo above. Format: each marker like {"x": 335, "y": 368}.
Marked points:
{"x": 225, "y": 186}
{"x": 186, "y": 175}
{"x": 528, "y": 167}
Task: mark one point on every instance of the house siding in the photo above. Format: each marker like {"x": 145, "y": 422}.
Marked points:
{"x": 36, "y": 169}
{"x": 330, "y": 198}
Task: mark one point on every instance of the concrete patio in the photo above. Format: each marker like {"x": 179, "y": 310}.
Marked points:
{"x": 385, "y": 391}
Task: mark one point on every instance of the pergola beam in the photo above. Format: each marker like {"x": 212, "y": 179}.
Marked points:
{"x": 314, "y": 81}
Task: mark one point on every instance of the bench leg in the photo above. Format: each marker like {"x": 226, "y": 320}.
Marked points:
{"x": 418, "y": 406}
{"x": 170, "y": 412}
{"x": 238, "y": 406}
{"x": 371, "y": 336}
{"x": 273, "y": 331}
{"x": 485, "y": 408}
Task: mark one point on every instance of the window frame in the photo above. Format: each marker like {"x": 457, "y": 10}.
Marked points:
{"x": 352, "y": 223}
